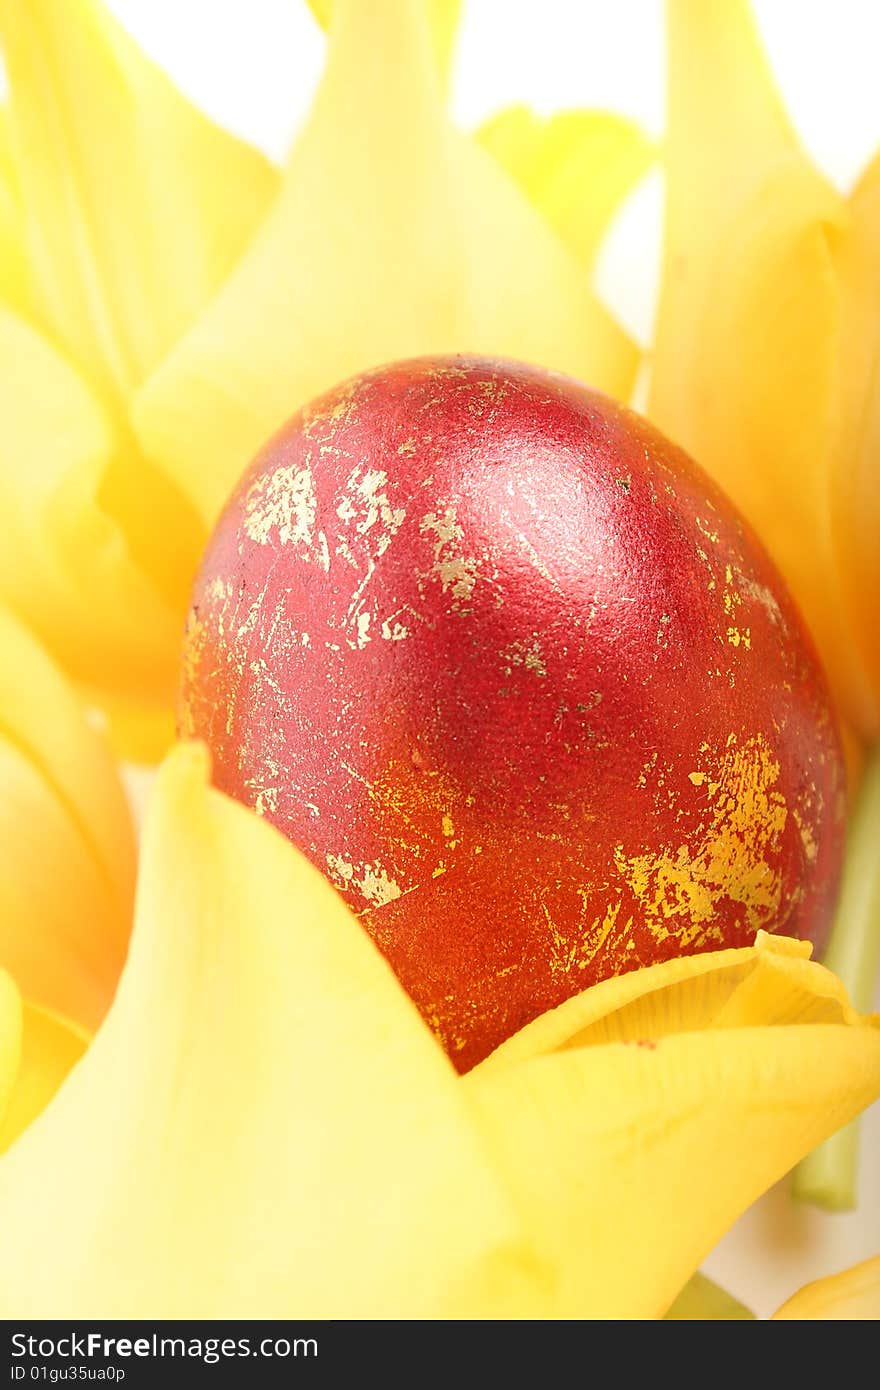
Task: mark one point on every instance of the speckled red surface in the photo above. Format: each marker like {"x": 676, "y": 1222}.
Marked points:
{"x": 513, "y": 673}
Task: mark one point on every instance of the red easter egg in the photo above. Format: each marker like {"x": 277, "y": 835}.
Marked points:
{"x": 507, "y": 666}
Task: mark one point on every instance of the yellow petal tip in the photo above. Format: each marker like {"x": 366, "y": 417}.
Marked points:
{"x": 789, "y": 946}
{"x": 186, "y": 768}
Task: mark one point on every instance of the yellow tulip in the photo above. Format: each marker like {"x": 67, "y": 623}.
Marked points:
{"x": 132, "y": 208}
{"x": 137, "y": 205}
{"x": 68, "y": 850}
{"x": 13, "y": 263}
{"x": 265, "y": 1127}
{"x": 149, "y": 342}
{"x": 765, "y": 367}
{"x": 442, "y": 23}
{"x": 576, "y": 167}
{"x": 853, "y": 1296}
{"x": 393, "y": 235}
{"x": 854, "y": 464}
{"x": 765, "y": 360}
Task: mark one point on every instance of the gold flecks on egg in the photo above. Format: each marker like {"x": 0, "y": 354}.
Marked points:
{"x": 365, "y": 502}
{"x": 731, "y": 597}
{"x": 219, "y": 590}
{"x": 377, "y": 885}
{"x": 761, "y": 594}
{"x": 507, "y": 970}
{"x": 647, "y": 770}
{"x": 456, "y": 572}
{"x": 537, "y": 560}
{"x": 252, "y": 616}
{"x": 394, "y": 632}
{"x": 406, "y": 796}
{"x": 808, "y": 839}
{"x": 527, "y": 654}
{"x": 679, "y": 888}
{"x": 194, "y": 647}
{"x": 320, "y": 423}
{"x": 266, "y": 800}
{"x": 345, "y": 552}
{"x": 341, "y": 870}
{"x": 282, "y": 505}
{"x": 372, "y": 881}
{"x": 363, "y": 630}
{"x": 598, "y": 934}
{"x": 365, "y": 508}
{"x": 563, "y": 949}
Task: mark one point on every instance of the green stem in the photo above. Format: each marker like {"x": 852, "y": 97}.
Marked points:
{"x": 701, "y": 1300}
{"x": 828, "y": 1176}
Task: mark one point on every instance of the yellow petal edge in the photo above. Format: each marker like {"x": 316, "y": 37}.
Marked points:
{"x": 40, "y": 1052}
{"x": 66, "y": 564}
{"x": 443, "y": 21}
{"x": 761, "y": 369}
{"x": 264, "y": 1127}
{"x": 853, "y": 1296}
{"x": 67, "y": 884}
{"x": 138, "y": 205}
{"x": 122, "y": 210}
{"x": 576, "y": 167}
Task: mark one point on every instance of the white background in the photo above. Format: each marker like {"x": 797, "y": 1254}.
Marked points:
{"x": 253, "y": 65}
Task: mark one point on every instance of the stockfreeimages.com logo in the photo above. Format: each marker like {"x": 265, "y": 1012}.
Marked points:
{"x": 92, "y": 1345}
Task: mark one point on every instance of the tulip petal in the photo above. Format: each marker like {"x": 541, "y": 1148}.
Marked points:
{"x": 42, "y": 718}
{"x": 577, "y": 167}
{"x": 443, "y": 21}
{"x": 10, "y": 1039}
{"x": 637, "y": 1141}
{"x": 66, "y": 565}
{"x": 67, "y": 881}
{"x": 138, "y": 205}
{"x": 393, "y": 235}
{"x": 13, "y": 261}
{"x": 8, "y": 175}
{"x": 856, "y": 473}
{"x": 853, "y": 1296}
{"x": 749, "y": 325}
{"x": 773, "y": 982}
{"x": 263, "y": 1127}
{"x": 50, "y": 1046}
